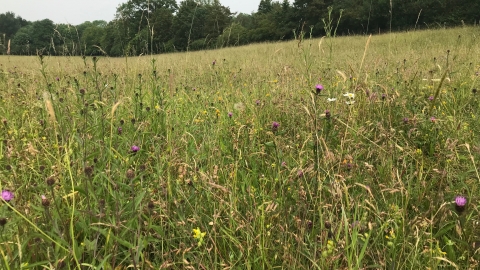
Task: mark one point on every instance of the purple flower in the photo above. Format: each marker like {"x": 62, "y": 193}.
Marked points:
{"x": 318, "y": 88}
{"x": 327, "y": 114}
{"x": 58, "y": 79}
{"x": 275, "y": 125}
{"x": 284, "y": 164}
{"x": 45, "y": 201}
{"x": 405, "y": 120}
{"x": 119, "y": 130}
{"x": 257, "y": 102}
{"x": 7, "y": 195}
{"x": 135, "y": 148}
{"x": 460, "y": 203}
{"x": 433, "y": 119}
{"x": 230, "y": 114}
{"x": 430, "y": 98}
{"x": 300, "y": 173}
{"x": 214, "y": 62}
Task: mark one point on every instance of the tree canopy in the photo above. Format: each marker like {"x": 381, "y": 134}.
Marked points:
{"x": 159, "y": 26}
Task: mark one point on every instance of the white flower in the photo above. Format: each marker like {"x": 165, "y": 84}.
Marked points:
{"x": 331, "y": 99}
{"x": 350, "y": 102}
{"x": 349, "y": 95}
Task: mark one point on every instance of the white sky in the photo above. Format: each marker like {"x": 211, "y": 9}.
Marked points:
{"x": 78, "y": 11}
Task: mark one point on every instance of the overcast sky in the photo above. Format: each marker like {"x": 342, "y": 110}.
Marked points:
{"x": 78, "y": 11}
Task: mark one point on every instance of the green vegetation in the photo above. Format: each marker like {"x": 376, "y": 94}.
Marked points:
{"x": 145, "y": 27}
{"x": 240, "y": 158}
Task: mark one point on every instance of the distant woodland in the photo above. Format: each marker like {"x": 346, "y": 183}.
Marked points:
{"x": 163, "y": 26}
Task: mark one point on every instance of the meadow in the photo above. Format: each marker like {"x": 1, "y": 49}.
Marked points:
{"x": 335, "y": 153}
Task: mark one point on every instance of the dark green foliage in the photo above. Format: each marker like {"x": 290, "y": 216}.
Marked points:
{"x": 159, "y": 26}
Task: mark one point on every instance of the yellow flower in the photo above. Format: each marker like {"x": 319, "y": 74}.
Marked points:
{"x": 199, "y": 235}
{"x": 392, "y": 235}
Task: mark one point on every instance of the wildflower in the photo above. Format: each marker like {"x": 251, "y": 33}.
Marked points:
{"x": 130, "y": 174}
{"x": 230, "y": 114}
{"x": 50, "y": 181}
{"x": 349, "y": 95}
{"x": 284, "y": 164}
{"x": 430, "y": 98}
{"x": 135, "y": 148}
{"x": 318, "y": 88}
{"x": 331, "y": 99}
{"x": 405, "y": 120}
{"x": 119, "y": 130}
{"x": 7, "y": 195}
{"x": 391, "y": 234}
{"x": 433, "y": 119}
{"x": 257, "y": 102}
{"x": 275, "y": 125}
{"x": 300, "y": 173}
{"x": 327, "y": 114}
{"x": 88, "y": 170}
{"x": 45, "y": 201}
{"x": 460, "y": 203}
{"x": 384, "y": 96}
{"x": 350, "y": 102}
{"x": 214, "y": 62}
{"x": 199, "y": 235}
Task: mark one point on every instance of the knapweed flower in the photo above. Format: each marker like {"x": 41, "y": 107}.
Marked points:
{"x": 349, "y": 95}
{"x": 318, "y": 88}
{"x": 405, "y": 120}
{"x": 45, "y": 201}
{"x": 7, "y": 195}
{"x": 135, "y": 149}
{"x": 119, "y": 130}
{"x": 331, "y": 99}
{"x": 460, "y": 203}
{"x": 230, "y": 114}
{"x": 199, "y": 235}
{"x": 275, "y": 125}
{"x": 433, "y": 119}
{"x": 430, "y": 98}
{"x": 327, "y": 114}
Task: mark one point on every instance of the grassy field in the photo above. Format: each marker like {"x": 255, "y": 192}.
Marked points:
{"x": 335, "y": 153}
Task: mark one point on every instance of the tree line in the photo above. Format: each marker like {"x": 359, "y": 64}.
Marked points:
{"x": 161, "y": 26}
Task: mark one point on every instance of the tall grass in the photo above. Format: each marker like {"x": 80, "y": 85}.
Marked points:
{"x": 231, "y": 159}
